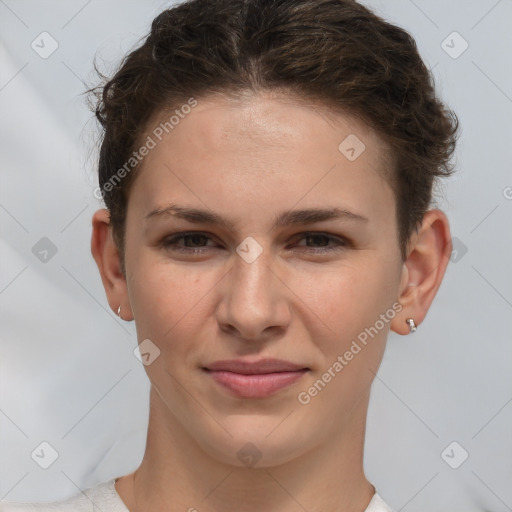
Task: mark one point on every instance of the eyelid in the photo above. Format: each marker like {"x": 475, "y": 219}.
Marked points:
{"x": 331, "y": 236}
{"x": 176, "y": 237}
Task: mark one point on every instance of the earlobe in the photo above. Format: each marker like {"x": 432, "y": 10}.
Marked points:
{"x": 106, "y": 255}
{"x": 423, "y": 270}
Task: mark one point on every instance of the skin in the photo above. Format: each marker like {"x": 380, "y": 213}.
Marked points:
{"x": 248, "y": 160}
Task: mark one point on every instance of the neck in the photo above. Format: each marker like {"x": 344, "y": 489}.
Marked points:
{"x": 176, "y": 474}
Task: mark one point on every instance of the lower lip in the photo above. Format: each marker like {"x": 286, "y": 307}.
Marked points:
{"x": 255, "y": 386}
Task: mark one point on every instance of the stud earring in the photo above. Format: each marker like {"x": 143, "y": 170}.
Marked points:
{"x": 119, "y": 312}
{"x": 412, "y": 325}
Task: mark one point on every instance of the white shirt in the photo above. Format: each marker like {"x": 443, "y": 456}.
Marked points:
{"x": 104, "y": 498}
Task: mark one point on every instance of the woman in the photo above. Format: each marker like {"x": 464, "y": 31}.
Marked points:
{"x": 267, "y": 170}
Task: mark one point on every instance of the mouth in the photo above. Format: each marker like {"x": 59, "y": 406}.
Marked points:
{"x": 256, "y": 379}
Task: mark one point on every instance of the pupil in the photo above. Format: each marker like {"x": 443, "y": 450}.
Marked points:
{"x": 196, "y": 239}
{"x": 316, "y": 237}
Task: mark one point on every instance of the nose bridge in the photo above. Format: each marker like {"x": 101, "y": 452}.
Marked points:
{"x": 252, "y": 282}
{"x": 253, "y": 277}
{"x": 252, "y": 299}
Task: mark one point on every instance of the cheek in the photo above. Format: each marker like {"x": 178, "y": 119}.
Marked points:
{"x": 170, "y": 308}
{"x": 350, "y": 297}
{"x": 166, "y": 297}
{"x": 349, "y": 303}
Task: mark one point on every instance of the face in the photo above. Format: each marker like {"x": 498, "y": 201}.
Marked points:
{"x": 252, "y": 235}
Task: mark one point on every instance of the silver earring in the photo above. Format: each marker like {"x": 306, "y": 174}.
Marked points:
{"x": 412, "y": 325}
{"x": 119, "y": 311}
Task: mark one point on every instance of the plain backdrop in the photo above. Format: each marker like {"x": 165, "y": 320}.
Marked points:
{"x": 439, "y": 425}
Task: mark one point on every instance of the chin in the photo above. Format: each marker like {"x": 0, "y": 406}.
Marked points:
{"x": 255, "y": 446}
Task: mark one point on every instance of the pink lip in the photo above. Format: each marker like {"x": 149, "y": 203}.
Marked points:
{"x": 257, "y": 379}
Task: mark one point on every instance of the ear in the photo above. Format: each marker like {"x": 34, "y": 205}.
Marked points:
{"x": 106, "y": 255}
{"x": 429, "y": 252}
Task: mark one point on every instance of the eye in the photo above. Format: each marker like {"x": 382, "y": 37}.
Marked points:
{"x": 196, "y": 242}
{"x": 322, "y": 240}
{"x": 193, "y": 242}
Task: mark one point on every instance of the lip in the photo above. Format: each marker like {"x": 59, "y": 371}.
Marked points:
{"x": 256, "y": 379}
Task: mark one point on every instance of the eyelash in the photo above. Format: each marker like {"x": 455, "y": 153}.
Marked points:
{"x": 170, "y": 242}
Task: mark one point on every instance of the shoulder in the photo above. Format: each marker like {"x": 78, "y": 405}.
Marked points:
{"x": 102, "y": 497}
{"x": 377, "y": 504}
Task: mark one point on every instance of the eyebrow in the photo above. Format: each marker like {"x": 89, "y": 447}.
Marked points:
{"x": 288, "y": 217}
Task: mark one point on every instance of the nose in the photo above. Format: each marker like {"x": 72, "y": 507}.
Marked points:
{"x": 254, "y": 303}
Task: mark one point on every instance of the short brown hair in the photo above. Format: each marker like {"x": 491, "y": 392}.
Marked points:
{"x": 337, "y": 52}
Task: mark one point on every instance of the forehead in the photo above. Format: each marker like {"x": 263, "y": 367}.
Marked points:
{"x": 266, "y": 120}
{"x": 266, "y": 151}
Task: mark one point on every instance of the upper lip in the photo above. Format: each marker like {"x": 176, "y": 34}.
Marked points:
{"x": 261, "y": 366}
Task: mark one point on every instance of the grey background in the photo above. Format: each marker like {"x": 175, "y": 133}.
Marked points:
{"x": 68, "y": 375}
